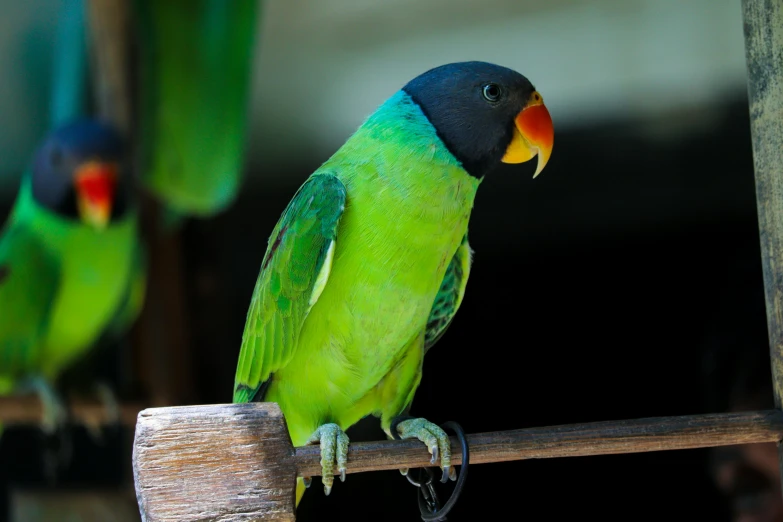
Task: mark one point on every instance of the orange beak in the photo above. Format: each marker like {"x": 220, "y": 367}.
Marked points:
{"x": 534, "y": 134}
{"x": 95, "y": 184}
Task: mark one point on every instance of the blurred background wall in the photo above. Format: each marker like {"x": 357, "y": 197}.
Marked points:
{"x": 621, "y": 283}
{"x": 324, "y": 66}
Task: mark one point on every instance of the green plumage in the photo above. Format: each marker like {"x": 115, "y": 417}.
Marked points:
{"x": 390, "y": 210}
{"x": 195, "y": 71}
{"x": 62, "y": 284}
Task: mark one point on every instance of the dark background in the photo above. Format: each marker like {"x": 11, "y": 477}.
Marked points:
{"x": 611, "y": 287}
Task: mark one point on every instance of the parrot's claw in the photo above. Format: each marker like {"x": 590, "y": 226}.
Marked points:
{"x": 404, "y": 471}
{"x": 55, "y": 414}
{"x": 434, "y": 437}
{"x": 334, "y": 450}
{"x": 58, "y": 447}
{"x": 307, "y": 481}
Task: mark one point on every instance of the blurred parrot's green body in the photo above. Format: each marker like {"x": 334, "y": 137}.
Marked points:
{"x": 348, "y": 301}
{"x": 195, "y": 65}
{"x": 62, "y": 284}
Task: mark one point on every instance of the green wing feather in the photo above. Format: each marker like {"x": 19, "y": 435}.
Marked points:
{"x": 293, "y": 274}
{"x": 449, "y": 296}
{"x": 29, "y": 280}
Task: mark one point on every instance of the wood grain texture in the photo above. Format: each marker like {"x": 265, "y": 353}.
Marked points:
{"x": 763, "y": 24}
{"x": 216, "y": 463}
{"x": 236, "y": 462}
{"x": 763, "y": 28}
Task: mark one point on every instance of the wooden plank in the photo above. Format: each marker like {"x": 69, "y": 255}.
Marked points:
{"x": 236, "y": 461}
{"x": 763, "y": 26}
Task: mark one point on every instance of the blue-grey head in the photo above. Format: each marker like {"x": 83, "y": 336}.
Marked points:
{"x": 77, "y": 173}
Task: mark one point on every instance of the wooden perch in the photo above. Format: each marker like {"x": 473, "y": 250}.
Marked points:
{"x": 236, "y": 461}
{"x": 28, "y": 411}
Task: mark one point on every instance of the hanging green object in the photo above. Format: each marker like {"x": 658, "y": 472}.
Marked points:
{"x": 195, "y": 71}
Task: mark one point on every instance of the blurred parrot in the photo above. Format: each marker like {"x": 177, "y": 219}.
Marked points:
{"x": 71, "y": 265}
{"x": 368, "y": 264}
{"x": 195, "y": 68}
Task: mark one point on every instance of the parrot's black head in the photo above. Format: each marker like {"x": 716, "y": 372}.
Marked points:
{"x": 485, "y": 114}
{"x": 76, "y": 173}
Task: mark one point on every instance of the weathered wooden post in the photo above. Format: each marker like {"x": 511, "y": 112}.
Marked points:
{"x": 763, "y": 24}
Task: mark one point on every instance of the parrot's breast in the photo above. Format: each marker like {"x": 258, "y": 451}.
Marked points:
{"x": 408, "y": 203}
{"x": 96, "y": 267}
{"x": 390, "y": 257}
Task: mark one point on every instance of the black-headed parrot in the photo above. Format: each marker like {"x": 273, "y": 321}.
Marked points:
{"x": 369, "y": 262}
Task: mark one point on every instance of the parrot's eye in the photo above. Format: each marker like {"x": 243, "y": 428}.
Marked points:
{"x": 491, "y": 92}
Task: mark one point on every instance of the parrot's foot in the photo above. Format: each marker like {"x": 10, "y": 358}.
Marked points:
{"x": 109, "y": 399}
{"x": 55, "y": 413}
{"x": 57, "y": 445}
{"x": 334, "y": 450}
{"x": 435, "y": 438}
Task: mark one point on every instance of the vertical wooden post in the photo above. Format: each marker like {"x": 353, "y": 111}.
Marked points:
{"x": 109, "y": 27}
{"x": 763, "y": 25}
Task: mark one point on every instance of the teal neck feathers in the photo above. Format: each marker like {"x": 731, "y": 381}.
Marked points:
{"x": 397, "y": 151}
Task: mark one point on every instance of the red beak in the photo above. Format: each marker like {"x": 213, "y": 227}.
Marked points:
{"x": 95, "y": 187}
{"x": 534, "y": 134}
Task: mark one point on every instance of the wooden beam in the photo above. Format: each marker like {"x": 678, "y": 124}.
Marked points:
{"x": 236, "y": 461}
{"x": 84, "y": 505}
{"x": 763, "y": 25}
{"x": 28, "y": 411}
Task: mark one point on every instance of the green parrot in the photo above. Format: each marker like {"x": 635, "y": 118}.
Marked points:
{"x": 71, "y": 264}
{"x": 369, "y": 262}
{"x": 195, "y": 71}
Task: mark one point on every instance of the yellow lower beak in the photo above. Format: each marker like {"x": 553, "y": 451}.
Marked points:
{"x": 534, "y": 135}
